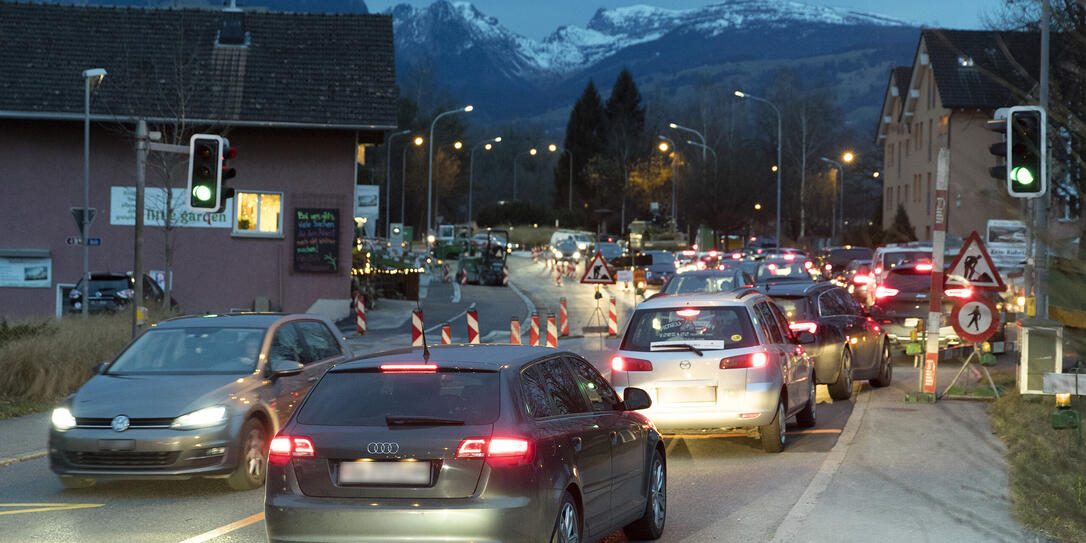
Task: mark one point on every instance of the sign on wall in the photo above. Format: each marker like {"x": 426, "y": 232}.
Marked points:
{"x": 316, "y": 240}
{"x": 122, "y": 209}
{"x": 1007, "y": 243}
{"x": 367, "y": 205}
{"x": 31, "y": 272}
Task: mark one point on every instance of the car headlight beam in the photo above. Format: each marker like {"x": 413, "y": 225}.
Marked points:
{"x": 202, "y": 418}
{"x": 63, "y": 419}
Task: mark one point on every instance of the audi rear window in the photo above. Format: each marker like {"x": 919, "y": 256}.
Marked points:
{"x": 369, "y": 397}
{"x": 711, "y": 327}
{"x": 908, "y": 280}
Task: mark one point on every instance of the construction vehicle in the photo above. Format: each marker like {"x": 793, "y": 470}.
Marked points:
{"x": 451, "y": 240}
{"x": 645, "y": 236}
{"x": 483, "y": 261}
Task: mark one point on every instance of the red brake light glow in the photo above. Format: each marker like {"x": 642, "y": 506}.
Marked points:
{"x": 753, "y": 360}
{"x": 701, "y": 265}
{"x": 497, "y": 450}
{"x": 790, "y": 257}
{"x": 861, "y": 279}
{"x": 885, "y": 292}
{"x": 811, "y": 327}
{"x": 417, "y": 368}
{"x": 621, "y": 363}
{"x": 283, "y": 448}
{"x": 472, "y": 448}
{"x": 924, "y": 266}
{"x": 712, "y": 253}
{"x": 688, "y": 313}
{"x": 737, "y": 256}
{"x": 965, "y": 292}
{"x": 829, "y": 267}
{"x": 807, "y": 264}
{"x": 279, "y": 446}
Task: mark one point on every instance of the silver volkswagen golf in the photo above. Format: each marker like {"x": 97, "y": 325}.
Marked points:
{"x": 718, "y": 361}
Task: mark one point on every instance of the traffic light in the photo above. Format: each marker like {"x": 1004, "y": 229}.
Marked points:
{"x": 999, "y": 148}
{"x": 228, "y": 173}
{"x": 205, "y": 173}
{"x": 1026, "y": 150}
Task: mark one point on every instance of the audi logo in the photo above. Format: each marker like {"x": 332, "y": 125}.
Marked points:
{"x": 383, "y": 448}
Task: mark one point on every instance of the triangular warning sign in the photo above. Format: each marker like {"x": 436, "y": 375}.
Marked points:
{"x": 597, "y": 272}
{"x": 974, "y": 268}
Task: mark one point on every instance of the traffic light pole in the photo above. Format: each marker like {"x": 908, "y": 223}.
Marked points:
{"x": 1040, "y": 260}
{"x": 141, "y": 182}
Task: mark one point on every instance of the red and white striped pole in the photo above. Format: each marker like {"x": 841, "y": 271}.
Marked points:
{"x": 938, "y": 242}
{"x": 445, "y": 272}
{"x": 416, "y": 328}
{"x": 360, "y": 314}
{"x": 464, "y": 276}
{"x": 514, "y": 331}
{"x": 612, "y": 319}
{"x": 446, "y": 334}
{"x": 563, "y": 318}
{"x": 505, "y": 276}
{"x": 473, "y": 325}
{"x": 533, "y": 334}
{"x": 552, "y": 332}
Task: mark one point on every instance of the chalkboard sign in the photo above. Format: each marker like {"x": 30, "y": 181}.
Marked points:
{"x": 316, "y": 240}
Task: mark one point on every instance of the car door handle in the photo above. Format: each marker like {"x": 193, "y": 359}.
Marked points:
{"x": 577, "y": 442}
{"x": 614, "y": 438}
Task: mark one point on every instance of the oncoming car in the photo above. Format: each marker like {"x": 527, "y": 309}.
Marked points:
{"x": 465, "y": 443}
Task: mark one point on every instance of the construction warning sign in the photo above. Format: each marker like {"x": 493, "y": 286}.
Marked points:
{"x": 597, "y": 272}
{"x": 974, "y": 268}
{"x": 975, "y": 319}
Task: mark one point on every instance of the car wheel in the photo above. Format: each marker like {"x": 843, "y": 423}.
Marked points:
{"x": 651, "y": 524}
{"x": 886, "y": 370}
{"x": 807, "y": 417}
{"x": 773, "y": 437}
{"x": 567, "y": 528}
{"x": 76, "y": 482}
{"x": 842, "y": 389}
{"x": 252, "y": 458}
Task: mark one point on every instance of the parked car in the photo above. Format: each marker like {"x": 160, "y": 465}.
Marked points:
{"x": 901, "y": 302}
{"x": 848, "y": 344}
{"x": 467, "y": 443}
{"x": 197, "y": 396}
{"x": 714, "y": 361}
{"x": 113, "y": 292}
{"x": 715, "y": 280}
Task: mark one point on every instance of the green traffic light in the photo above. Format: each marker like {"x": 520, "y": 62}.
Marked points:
{"x": 202, "y": 192}
{"x": 1022, "y": 176}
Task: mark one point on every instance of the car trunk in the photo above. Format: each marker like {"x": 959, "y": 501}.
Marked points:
{"x": 683, "y": 379}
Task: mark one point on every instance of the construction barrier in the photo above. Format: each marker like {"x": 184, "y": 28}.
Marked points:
{"x": 473, "y": 325}
{"x": 464, "y": 276}
{"x": 552, "y": 332}
{"x": 612, "y": 319}
{"x": 563, "y": 318}
{"x": 445, "y": 272}
{"x": 533, "y": 334}
{"x": 505, "y": 276}
{"x": 360, "y": 315}
{"x": 514, "y": 331}
{"x": 446, "y": 334}
{"x": 416, "y": 328}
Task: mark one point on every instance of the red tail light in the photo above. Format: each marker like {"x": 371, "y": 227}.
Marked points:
{"x": 861, "y": 279}
{"x": 712, "y": 253}
{"x": 829, "y": 267}
{"x": 737, "y": 256}
{"x": 688, "y": 313}
{"x": 807, "y": 264}
{"x": 885, "y": 292}
{"x": 701, "y": 265}
{"x": 959, "y": 292}
{"x": 506, "y": 451}
{"x": 415, "y": 368}
{"x": 924, "y": 266}
{"x": 798, "y": 327}
{"x": 753, "y": 360}
{"x": 283, "y": 448}
{"x": 790, "y": 257}
{"x": 621, "y": 363}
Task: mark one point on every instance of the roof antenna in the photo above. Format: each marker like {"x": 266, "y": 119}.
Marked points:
{"x": 425, "y": 346}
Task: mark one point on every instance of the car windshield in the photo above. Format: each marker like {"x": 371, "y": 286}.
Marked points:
{"x": 703, "y": 327}
{"x": 195, "y": 350}
{"x": 770, "y": 271}
{"x": 701, "y": 283}
{"x": 104, "y": 285}
{"x": 567, "y": 245}
{"x": 370, "y": 397}
{"x": 580, "y": 238}
{"x": 795, "y": 308}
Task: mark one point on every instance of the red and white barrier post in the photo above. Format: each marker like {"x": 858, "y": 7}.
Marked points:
{"x": 612, "y": 319}
{"x": 563, "y": 318}
{"x": 360, "y": 314}
{"x": 464, "y": 276}
{"x": 446, "y": 334}
{"x": 514, "y": 331}
{"x": 533, "y": 334}
{"x": 505, "y": 276}
{"x": 445, "y": 272}
{"x": 473, "y": 325}
{"x": 552, "y": 332}
{"x": 416, "y": 328}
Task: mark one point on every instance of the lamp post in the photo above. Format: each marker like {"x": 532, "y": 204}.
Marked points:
{"x": 531, "y": 152}
{"x": 742, "y": 94}
{"x": 488, "y": 145}
{"x": 669, "y": 145}
{"x": 388, "y": 179}
{"x": 430, "y": 175}
{"x": 696, "y": 133}
{"x": 403, "y": 179}
{"x": 847, "y": 158}
{"x": 98, "y": 74}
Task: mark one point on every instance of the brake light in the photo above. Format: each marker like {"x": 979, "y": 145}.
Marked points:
{"x": 886, "y": 292}
{"x": 811, "y": 327}
{"x": 413, "y": 368}
{"x": 737, "y": 256}
{"x": 829, "y": 267}
{"x": 506, "y": 451}
{"x": 861, "y": 279}
{"x": 807, "y": 264}
{"x": 712, "y": 253}
{"x": 283, "y": 448}
{"x": 790, "y": 257}
{"x": 688, "y": 313}
{"x": 701, "y": 265}
{"x": 965, "y": 292}
{"x": 924, "y": 267}
{"x": 621, "y": 363}
{"x": 753, "y": 360}
{"x": 878, "y": 270}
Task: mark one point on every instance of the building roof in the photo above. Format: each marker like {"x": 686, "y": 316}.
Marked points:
{"x": 303, "y": 70}
{"x": 899, "y": 77}
{"x": 982, "y": 69}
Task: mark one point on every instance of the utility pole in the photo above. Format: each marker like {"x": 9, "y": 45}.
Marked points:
{"x": 141, "y": 183}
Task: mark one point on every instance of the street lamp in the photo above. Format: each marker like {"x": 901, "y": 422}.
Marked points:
{"x": 485, "y": 144}
{"x": 430, "y": 174}
{"x": 666, "y": 141}
{"x": 700, "y": 136}
{"x": 388, "y": 179}
{"x": 742, "y": 94}
{"x": 403, "y": 179}
{"x": 96, "y": 74}
{"x": 531, "y": 152}
{"x": 847, "y": 158}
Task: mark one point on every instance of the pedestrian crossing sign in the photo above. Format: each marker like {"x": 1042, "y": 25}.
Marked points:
{"x": 597, "y": 272}
{"x": 973, "y": 267}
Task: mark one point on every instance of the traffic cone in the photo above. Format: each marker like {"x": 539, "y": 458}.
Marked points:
{"x": 416, "y": 328}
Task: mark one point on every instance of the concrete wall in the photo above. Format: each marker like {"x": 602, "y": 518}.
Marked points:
{"x": 41, "y": 174}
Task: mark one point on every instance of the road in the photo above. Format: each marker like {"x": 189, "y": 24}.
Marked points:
{"x": 719, "y": 487}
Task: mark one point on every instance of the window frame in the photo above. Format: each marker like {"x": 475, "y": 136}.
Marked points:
{"x": 257, "y": 233}
{"x": 571, "y": 364}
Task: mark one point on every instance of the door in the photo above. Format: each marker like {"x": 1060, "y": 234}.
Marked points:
{"x": 287, "y": 392}
{"x": 864, "y": 338}
{"x": 802, "y": 368}
{"x": 777, "y": 350}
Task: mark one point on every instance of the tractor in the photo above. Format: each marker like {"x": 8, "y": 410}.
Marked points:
{"x": 484, "y": 260}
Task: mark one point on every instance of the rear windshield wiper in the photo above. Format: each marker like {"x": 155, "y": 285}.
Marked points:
{"x": 422, "y": 421}
{"x": 676, "y": 346}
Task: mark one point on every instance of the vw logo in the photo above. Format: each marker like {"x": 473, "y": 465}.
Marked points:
{"x": 383, "y": 448}
{"x": 684, "y": 365}
{"x": 120, "y": 423}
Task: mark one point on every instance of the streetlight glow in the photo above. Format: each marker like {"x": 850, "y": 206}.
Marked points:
{"x": 532, "y": 151}
{"x": 418, "y": 140}
{"x": 773, "y": 168}
{"x": 848, "y": 156}
{"x": 469, "y": 109}
{"x": 757, "y": 207}
{"x": 664, "y": 146}
{"x": 740, "y": 94}
{"x": 498, "y": 139}
{"x": 672, "y": 125}
{"x": 458, "y": 145}
{"x": 552, "y": 147}
{"x": 875, "y": 175}
{"x": 488, "y": 146}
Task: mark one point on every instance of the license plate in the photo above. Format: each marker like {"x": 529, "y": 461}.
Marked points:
{"x": 671, "y": 395}
{"x": 384, "y": 473}
{"x": 911, "y": 323}
{"x": 116, "y": 444}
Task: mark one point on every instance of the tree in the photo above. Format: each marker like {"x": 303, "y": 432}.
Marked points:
{"x": 900, "y": 230}
{"x": 625, "y": 132}
{"x": 584, "y": 139}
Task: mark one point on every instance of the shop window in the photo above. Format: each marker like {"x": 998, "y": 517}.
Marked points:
{"x": 259, "y": 214}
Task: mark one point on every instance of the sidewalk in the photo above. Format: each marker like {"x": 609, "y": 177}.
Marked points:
{"x": 24, "y": 436}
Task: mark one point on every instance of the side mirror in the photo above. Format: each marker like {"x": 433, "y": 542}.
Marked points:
{"x": 100, "y": 368}
{"x": 635, "y": 398}
{"x": 805, "y": 338}
{"x": 283, "y": 368}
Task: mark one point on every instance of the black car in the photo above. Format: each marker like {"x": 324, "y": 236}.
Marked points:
{"x": 112, "y": 292}
{"x": 849, "y": 344}
{"x": 716, "y": 280}
{"x": 466, "y": 443}
{"x": 833, "y": 260}
{"x": 662, "y": 267}
{"x": 902, "y": 301}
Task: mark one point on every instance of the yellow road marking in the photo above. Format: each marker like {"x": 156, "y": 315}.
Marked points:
{"x": 43, "y": 507}
{"x": 817, "y": 431}
{"x": 237, "y": 525}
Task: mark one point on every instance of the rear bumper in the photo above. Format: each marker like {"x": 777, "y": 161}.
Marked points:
{"x": 755, "y": 406}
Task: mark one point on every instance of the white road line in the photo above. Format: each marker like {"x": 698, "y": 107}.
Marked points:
{"x": 23, "y": 458}
{"x": 431, "y": 329}
{"x": 206, "y": 536}
{"x": 456, "y": 293}
{"x": 789, "y": 529}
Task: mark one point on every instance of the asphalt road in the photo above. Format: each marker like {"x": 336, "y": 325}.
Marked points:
{"x": 719, "y": 488}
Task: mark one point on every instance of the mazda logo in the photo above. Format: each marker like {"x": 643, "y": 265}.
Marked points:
{"x": 383, "y": 448}
{"x": 120, "y": 423}
{"x": 684, "y": 365}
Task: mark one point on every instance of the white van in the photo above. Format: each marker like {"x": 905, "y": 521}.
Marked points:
{"x": 582, "y": 240}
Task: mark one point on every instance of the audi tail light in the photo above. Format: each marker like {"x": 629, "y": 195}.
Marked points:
{"x": 753, "y": 360}
{"x": 964, "y": 292}
{"x": 283, "y": 448}
{"x": 622, "y": 363}
{"x": 505, "y": 451}
{"x": 885, "y": 292}
{"x": 798, "y": 327}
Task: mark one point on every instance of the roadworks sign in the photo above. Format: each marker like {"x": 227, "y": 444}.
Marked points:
{"x": 597, "y": 272}
{"x": 974, "y": 268}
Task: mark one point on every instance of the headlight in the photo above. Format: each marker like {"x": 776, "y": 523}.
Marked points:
{"x": 75, "y": 294}
{"x": 558, "y": 254}
{"x": 203, "y": 418}
{"x": 576, "y": 255}
{"x": 125, "y": 294}
{"x": 63, "y": 419}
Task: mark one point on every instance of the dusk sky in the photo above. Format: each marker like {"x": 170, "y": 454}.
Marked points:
{"x": 537, "y": 19}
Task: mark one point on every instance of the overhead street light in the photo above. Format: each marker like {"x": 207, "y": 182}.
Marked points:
{"x": 430, "y": 175}
{"x": 388, "y": 179}
{"x": 847, "y": 157}
{"x": 700, "y": 136}
{"x": 486, "y": 145}
{"x": 742, "y": 94}
{"x": 96, "y": 74}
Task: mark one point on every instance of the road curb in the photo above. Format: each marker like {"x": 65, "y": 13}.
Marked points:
{"x": 29, "y": 456}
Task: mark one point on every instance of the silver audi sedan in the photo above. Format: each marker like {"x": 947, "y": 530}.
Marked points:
{"x": 197, "y": 396}
{"x": 720, "y": 361}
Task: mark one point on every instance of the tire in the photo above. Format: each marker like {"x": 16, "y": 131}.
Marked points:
{"x": 567, "y": 527}
{"x": 886, "y": 369}
{"x": 807, "y": 417}
{"x": 773, "y": 437}
{"x": 73, "y": 483}
{"x": 651, "y": 525}
{"x": 252, "y": 465}
{"x": 842, "y": 388}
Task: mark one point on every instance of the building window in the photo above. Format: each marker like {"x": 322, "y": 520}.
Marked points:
{"x": 259, "y": 214}
{"x": 929, "y": 194}
{"x": 944, "y": 124}
{"x": 929, "y": 140}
